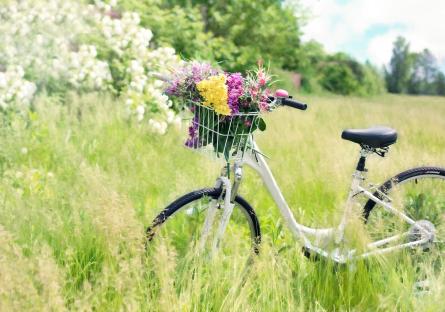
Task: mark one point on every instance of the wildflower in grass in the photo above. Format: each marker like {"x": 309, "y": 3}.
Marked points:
{"x": 140, "y": 110}
{"x": 159, "y": 127}
{"x": 214, "y": 92}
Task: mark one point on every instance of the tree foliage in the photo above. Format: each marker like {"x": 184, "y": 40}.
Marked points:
{"x": 440, "y": 84}
{"x": 413, "y": 73}
{"x": 397, "y": 75}
{"x": 237, "y": 33}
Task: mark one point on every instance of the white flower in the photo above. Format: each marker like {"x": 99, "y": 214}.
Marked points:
{"x": 3, "y": 81}
{"x": 140, "y": 110}
{"x": 177, "y": 122}
{"x": 37, "y": 37}
{"x": 170, "y": 116}
{"x": 163, "y": 127}
{"x": 136, "y": 67}
{"x": 159, "y": 127}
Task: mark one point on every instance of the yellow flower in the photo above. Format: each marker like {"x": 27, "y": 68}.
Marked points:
{"x": 214, "y": 92}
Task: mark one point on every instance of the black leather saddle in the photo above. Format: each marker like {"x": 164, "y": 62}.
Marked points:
{"x": 375, "y": 137}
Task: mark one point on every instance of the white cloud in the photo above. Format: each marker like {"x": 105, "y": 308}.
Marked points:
{"x": 335, "y": 25}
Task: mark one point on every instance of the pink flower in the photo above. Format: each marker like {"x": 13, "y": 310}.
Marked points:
{"x": 253, "y": 91}
{"x": 262, "y": 79}
{"x": 264, "y": 106}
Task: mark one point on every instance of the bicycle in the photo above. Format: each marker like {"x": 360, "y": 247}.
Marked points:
{"x": 407, "y": 212}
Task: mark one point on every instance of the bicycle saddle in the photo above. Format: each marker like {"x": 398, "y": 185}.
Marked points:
{"x": 375, "y": 137}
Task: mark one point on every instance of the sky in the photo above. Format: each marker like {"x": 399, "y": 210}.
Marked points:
{"x": 367, "y": 29}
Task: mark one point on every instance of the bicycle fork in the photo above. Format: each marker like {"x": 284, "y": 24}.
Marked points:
{"x": 229, "y": 192}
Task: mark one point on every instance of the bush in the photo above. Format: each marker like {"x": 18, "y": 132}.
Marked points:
{"x": 55, "y": 46}
{"x": 343, "y": 75}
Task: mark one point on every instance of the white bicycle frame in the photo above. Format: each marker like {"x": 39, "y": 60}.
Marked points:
{"x": 254, "y": 159}
{"x": 311, "y": 238}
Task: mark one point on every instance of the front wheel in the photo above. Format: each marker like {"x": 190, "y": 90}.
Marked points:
{"x": 418, "y": 193}
{"x": 179, "y": 226}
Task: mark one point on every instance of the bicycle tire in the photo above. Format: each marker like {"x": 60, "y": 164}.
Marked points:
{"x": 214, "y": 193}
{"x": 400, "y": 178}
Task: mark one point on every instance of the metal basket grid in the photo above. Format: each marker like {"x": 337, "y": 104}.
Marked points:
{"x": 218, "y": 136}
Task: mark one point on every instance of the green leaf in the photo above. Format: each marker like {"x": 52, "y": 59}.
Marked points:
{"x": 261, "y": 124}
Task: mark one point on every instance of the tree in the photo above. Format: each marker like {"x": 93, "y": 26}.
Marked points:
{"x": 398, "y": 73}
{"x": 237, "y": 33}
{"x": 372, "y": 81}
{"x": 263, "y": 29}
{"x": 234, "y": 33}
{"x": 180, "y": 27}
{"x": 424, "y": 73}
{"x": 312, "y": 56}
{"x": 440, "y": 84}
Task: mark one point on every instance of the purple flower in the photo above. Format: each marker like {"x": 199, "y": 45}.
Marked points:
{"x": 235, "y": 90}
{"x": 201, "y": 71}
{"x": 185, "y": 78}
{"x": 193, "y": 139}
{"x": 172, "y": 88}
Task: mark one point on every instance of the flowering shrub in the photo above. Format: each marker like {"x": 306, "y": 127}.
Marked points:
{"x": 39, "y": 35}
{"x": 14, "y": 90}
{"x": 235, "y": 100}
{"x": 65, "y": 44}
{"x": 85, "y": 71}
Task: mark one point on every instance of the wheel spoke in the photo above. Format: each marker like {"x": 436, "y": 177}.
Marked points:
{"x": 422, "y": 199}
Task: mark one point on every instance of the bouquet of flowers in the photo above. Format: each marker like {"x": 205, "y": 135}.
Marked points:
{"x": 225, "y": 106}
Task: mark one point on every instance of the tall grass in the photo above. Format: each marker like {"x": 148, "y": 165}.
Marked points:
{"x": 80, "y": 183}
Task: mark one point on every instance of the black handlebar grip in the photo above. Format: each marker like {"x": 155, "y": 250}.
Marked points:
{"x": 293, "y": 103}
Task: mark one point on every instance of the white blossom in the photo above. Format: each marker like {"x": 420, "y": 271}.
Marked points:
{"x": 40, "y": 39}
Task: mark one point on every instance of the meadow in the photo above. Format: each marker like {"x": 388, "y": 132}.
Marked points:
{"x": 80, "y": 183}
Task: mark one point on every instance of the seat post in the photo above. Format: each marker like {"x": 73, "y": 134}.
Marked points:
{"x": 357, "y": 179}
{"x": 361, "y": 164}
{"x": 364, "y": 152}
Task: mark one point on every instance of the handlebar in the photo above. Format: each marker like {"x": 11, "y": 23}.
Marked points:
{"x": 294, "y": 104}
{"x": 288, "y": 101}
{"x": 285, "y": 99}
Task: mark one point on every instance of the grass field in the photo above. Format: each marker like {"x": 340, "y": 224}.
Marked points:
{"x": 80, "y": 183}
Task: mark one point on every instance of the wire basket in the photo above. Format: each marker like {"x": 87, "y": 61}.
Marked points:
{"x": 223, "y": 137}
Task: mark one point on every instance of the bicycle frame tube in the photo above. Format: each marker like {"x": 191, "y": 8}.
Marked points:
{"x": 311, "y": 238}
{"x": 256, "y": 161}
